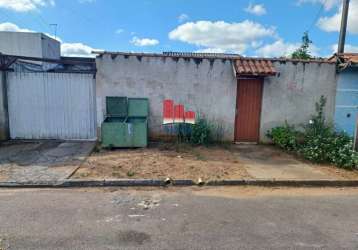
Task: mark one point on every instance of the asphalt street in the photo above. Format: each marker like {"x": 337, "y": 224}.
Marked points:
{"x": 179, "y": 218}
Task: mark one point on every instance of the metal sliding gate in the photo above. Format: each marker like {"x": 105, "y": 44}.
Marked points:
{"x": 51, "y": 105}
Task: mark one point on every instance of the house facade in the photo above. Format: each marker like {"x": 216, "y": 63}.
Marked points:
{"x": 64, "y": 98}
{"x": 272, "y": 91}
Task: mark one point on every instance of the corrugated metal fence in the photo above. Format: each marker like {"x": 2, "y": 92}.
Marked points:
{"x": 51, "y": 105}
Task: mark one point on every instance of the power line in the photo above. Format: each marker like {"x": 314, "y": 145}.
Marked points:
{"x": 317, "y": 15}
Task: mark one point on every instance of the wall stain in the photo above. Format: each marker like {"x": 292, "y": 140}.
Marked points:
{"x": 212, "y": 62}
{"x": 198, "y": 61}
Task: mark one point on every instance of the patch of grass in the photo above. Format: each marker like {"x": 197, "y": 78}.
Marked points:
{"x": 83, "y": 174}
{"x": 131, "y": 173}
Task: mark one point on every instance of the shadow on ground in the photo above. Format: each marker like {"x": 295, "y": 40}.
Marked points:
{"x": 41, "y": 160}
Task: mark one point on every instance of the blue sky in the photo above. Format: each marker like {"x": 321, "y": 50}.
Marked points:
{"x": 253, "y": 28}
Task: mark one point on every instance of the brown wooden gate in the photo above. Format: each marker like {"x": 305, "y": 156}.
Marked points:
{"x": 248, "y": 110}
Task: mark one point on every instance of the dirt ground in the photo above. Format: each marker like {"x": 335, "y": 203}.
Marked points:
{"x": 162, "y": 161}
{"x": 182, "y": 161}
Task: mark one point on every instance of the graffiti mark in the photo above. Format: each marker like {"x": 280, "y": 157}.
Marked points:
{"x": 294, "y": 86}
{"x": 175, "y": 113}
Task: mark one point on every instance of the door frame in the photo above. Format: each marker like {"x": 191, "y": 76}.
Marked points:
{"x": 262, "y": 79}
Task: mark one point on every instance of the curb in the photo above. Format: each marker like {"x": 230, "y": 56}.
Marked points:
{"x": 285, "y": 183}
{"x": 163, "y": 183}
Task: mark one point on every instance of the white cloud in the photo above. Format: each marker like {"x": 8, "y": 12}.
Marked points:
{"x": 211, "y": 50}
{"x": 67, "y": 49}
{"x": 77, "y": 49}
{"x": 256, "y": 9}
{"x": 220, "y": 35}
{"x": 277, "y": 49}
{"x": 327, "y": 4}
{"x": 347, "y": 48}
{"x": 25, "y": 5}
{"x": 12, "y": 27}
{"x": 332, "y": 23}
{"x": 182, "y": 18}
{"x": 141, "y": 42}
{"x": 281, "y": 48}
{"x": 119, "y": 31}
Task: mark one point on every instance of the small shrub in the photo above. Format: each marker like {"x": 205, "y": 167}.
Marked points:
{"x": 130, "y": 173}
{"x": 285, "y": 137}
{"x": 201, "y": 132}
{"x": 318, "y": 136}
{"x": 341, "y": 152}
{"x": 318, "y": 142}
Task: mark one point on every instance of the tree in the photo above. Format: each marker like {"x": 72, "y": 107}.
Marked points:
{"x": 303, "y": 51}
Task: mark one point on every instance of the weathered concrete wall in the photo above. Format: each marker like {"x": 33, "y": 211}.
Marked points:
{"x": 292, "y": 95}
{"x": 203, "y": 85}
{"x": 209, "y": 87}
{"x": 29, "y": 44}
{"x": 4, "y": 130}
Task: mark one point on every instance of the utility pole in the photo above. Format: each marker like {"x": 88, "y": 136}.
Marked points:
{"x": 342, "y": 35}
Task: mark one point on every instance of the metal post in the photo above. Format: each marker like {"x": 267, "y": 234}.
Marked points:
{"x": 342, "y": 35}
{"x": 355, "y": 142}
{"x": 5, "y": 134}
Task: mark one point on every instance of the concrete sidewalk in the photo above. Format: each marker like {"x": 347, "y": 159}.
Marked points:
{"x": 51, "y": 163}
{"x": 269, "y": 162}
{"x": 40, "y": 161}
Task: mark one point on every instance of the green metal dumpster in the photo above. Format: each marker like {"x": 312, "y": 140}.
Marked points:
{"x": 126, "y": 123}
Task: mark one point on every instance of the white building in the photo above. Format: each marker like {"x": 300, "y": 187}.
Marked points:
{"x": 29, "y": 44}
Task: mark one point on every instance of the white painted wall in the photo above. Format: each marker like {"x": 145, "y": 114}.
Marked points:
{"x": 210, "y": 88}
{"x": 204, "y": 86}
{"x": 292, "y": 95}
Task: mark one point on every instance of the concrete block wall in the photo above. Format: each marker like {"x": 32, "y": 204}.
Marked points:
{"x": 205, "y": 86}
{"x": 209, "y": 87}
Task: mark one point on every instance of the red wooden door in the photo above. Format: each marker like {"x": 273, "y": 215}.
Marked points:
{"x": 248, "y": 110}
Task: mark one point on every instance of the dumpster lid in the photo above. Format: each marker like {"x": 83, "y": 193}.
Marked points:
{"x": 117, "y": 106}
{"x": 138, "y": 107}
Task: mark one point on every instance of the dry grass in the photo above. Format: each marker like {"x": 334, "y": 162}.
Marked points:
{"x": 178, "y": 161}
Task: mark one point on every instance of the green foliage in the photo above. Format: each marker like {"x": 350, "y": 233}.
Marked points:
{"x": 303, "y": 51}
{"x": 342, "y": 153}
{"x": 320, "y": 142}
{"x": 201, "y": 132}
{"x": 284, "y": 136}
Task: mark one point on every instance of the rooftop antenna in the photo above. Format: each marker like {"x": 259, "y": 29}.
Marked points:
{"x": 54, "y": 25}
